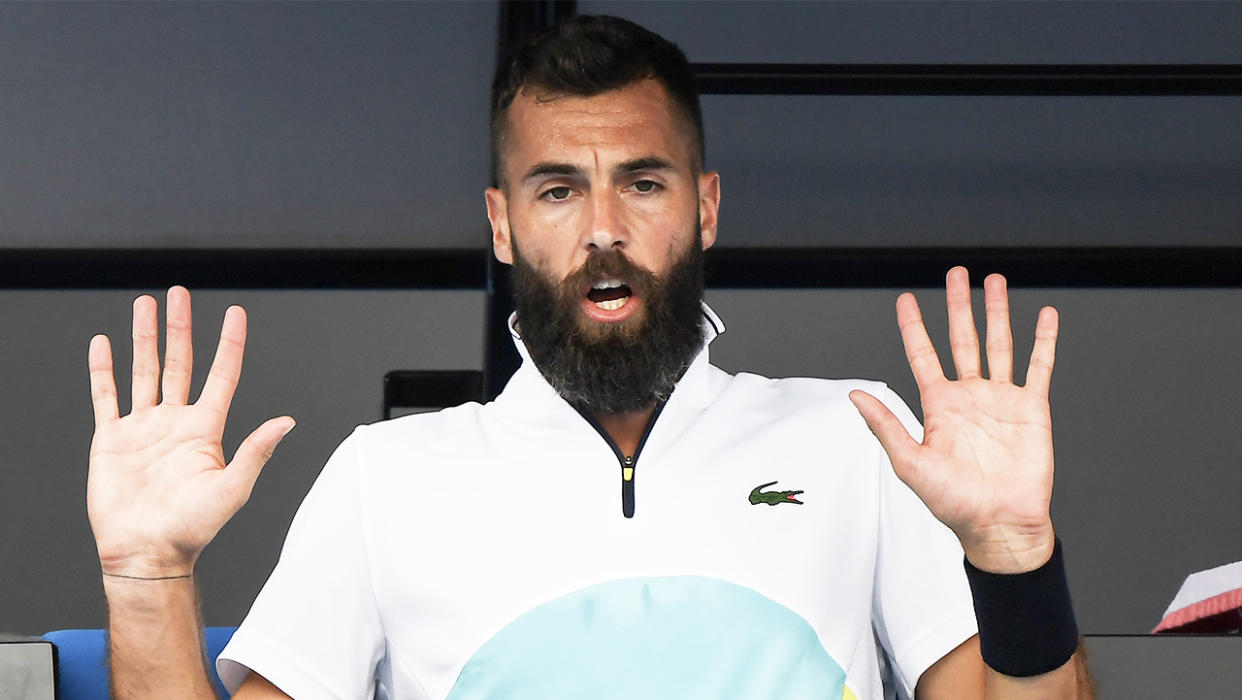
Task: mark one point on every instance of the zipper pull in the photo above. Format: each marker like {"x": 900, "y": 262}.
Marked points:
{"x": 627, "y": 487}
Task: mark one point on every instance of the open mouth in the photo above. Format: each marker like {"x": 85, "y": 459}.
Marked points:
{"x": 610, "y": 294}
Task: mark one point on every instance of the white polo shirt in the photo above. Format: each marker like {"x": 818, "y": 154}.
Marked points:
{"x": 482, "y": 552}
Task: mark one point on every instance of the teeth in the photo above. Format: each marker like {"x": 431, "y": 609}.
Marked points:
{"x": 612, "y": 304}
{"x": 607, "y": 284}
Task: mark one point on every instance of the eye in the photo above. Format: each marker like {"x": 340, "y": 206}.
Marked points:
{"x": 646, "y": 186}
{"x": 556, "y": 193}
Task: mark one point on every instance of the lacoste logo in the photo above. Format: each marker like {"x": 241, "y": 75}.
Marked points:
{"x": 758, "y": 495}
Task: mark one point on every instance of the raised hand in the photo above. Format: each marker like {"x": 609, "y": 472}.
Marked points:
{"x": 159, "y": 487}
{"x": 985, "y": 465}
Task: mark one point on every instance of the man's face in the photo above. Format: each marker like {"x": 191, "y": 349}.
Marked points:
{"x": 612, "y": 368}
{"x": 604, "y": 217}
{"x": 590, "y": 175}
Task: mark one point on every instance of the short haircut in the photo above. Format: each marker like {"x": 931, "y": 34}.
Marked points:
{"x": 588, "y": 55}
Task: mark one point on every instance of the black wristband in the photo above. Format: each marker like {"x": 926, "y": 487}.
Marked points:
{"x": 1026, "y": 621}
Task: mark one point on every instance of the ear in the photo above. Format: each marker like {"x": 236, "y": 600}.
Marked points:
{"x": 498, "y": 214}
{"x": 709, "y": 206}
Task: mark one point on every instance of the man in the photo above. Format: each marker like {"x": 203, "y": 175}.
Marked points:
{"x": 765, "y": 549}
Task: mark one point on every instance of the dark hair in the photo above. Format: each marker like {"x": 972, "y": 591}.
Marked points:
{"x": 589, "y": 55}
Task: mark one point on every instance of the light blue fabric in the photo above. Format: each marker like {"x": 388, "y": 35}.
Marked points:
{"x": 672, "y": 637}
{"x": 82, "y": 661}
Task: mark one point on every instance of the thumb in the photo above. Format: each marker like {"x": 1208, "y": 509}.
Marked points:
{"x": 889, "y": 430}
{"x": 254, "y": 452}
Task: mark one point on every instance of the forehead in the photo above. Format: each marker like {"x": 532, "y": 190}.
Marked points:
{"x": 637, "y": 120}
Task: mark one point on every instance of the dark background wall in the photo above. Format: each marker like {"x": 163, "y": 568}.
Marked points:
{"x": 327, "y": 124}
{"x": 244, "y": 124}
{"x": 857, "y": 171}
{"x": 350, "y": 125}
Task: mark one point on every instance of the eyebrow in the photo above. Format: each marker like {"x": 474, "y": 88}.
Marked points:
{"x": 542, "y": 169}
{"x": 647, "y": 163}
{"x": 637, "y": 164}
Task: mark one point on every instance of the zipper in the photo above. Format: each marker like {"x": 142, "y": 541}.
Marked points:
{"x": 629, "y": 463}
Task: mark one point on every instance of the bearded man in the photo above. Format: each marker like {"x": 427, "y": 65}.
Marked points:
{"x": 517, "y": 550}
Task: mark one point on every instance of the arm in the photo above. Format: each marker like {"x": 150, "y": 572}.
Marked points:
{"x": 984, "y": 467}
{"x": 963, "y": 674}
{"x": 158, "y": 491}
{"x": 155, "y": 641}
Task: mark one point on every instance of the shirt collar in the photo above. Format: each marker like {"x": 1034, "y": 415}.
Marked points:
{"x": 693, "y": 389}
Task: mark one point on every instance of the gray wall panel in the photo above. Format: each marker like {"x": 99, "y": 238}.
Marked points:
{"x": 1147, "y": 437}
{"x": 244, "y": 124}
{"x": 919, "y": 31}
{"x": 364, "y": 124}
{"x": 1165, "y": 666}
{"x": 319, "y": 356}
{"x": 1143, "y": 409}
{"x": 977, "y": 171}
{"x": 954, "y": 171}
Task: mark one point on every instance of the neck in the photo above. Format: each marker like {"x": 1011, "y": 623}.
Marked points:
{"x": 625, "y": 429}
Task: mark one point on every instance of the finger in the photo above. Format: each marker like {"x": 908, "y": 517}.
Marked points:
{"x": 226, "y": 366}
{"x": 1039, "y": 373}
{"x": 145, "y": 386}
{"x": 178, "y": 347}
{"x": 253, "y": 453}
{"x": 963, "y": 338}
{"x": 901, "y": 448}
{"x": 103, "y": 384}
{"x": 921, "y": 354}
{"x": 999, "y": 336}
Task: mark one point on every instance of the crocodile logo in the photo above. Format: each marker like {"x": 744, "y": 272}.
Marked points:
{"x": 758, "y": 495}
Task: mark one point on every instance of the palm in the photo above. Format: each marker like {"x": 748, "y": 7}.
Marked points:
{"x": 154, "y": 476}
{"x": 159, "y": 487}
{"x": 985, "y": 466}
{"x": 986, "y": 451}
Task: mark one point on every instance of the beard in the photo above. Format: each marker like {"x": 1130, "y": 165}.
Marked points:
{"x": 618, "y": 367}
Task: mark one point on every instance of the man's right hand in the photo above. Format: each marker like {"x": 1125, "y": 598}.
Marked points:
{"x": 159, "y": 488}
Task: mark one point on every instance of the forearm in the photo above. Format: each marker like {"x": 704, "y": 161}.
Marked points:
{"x": 1027, "y": 629}
{"x": 962, "y": 673}
{"x": 155, "y": 639}
{"x": 1071, "y": 680}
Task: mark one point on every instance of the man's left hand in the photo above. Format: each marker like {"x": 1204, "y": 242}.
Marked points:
{"x": 985, "y": 465}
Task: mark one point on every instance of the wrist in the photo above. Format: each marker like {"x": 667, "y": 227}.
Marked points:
{"x": 128, "y": 577}
{"x": 1011, "y": 550}
{"x": 146, "y": 599}
{"x": 1026, "y": 620}
{"x": 148, "y": 566}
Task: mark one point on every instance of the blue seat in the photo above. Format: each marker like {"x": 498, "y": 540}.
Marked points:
{"x": 82, "y": 668}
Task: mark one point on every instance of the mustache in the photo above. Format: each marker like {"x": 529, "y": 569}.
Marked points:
{"x": 612, "y": 264}
{"x": 611, "y": 369}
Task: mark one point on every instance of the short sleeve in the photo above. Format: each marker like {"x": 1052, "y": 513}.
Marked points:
{"x": 922, "y": 607}
{"x": 314, "y": 630}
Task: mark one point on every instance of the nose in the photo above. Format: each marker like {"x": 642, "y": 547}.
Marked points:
{"x": 607, "y": 229}
{"x": 603, "y": 239}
